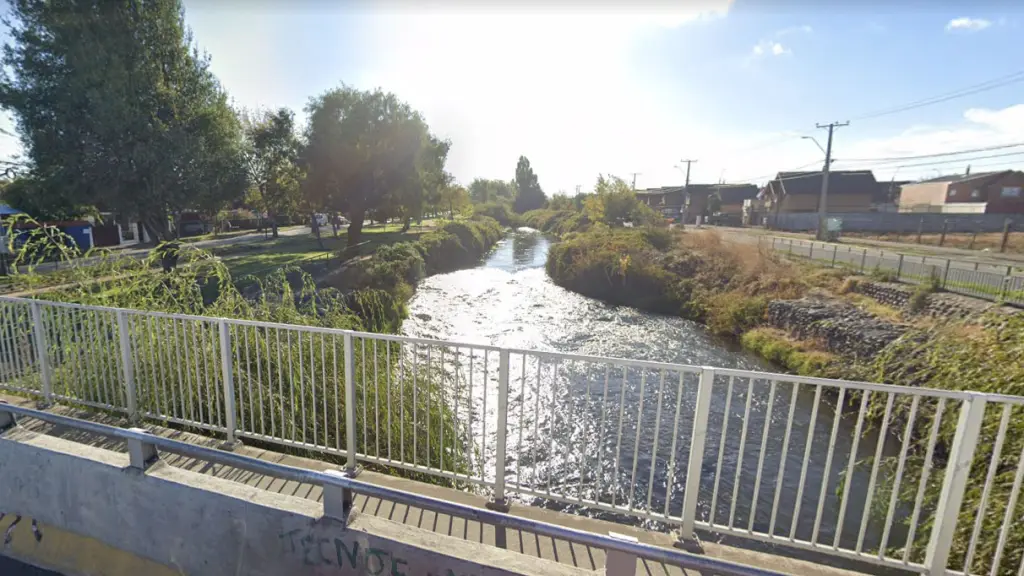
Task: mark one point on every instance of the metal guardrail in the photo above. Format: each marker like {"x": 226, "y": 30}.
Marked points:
{"x": 871, "y": 472}
{"x": 142, "y": 448}
{"x": 985, "y": 281}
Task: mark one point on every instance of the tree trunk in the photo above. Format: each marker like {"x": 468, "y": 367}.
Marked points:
{"x": 406, "y": 224}
{"x": 355, "y": 228}
{"x": 273, "y": 224}
{"x": 156, "y": 227}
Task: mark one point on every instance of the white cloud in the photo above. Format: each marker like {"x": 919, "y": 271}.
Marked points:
{"x": 774, "y": 47}
{"x": 980, "y": 128}
{"x": 968, "y": 24}
{"x": 770, "y": 47}
{"x": 805, "y": 29}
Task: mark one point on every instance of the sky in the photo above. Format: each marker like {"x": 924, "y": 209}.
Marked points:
{"x": 619, "y": 88}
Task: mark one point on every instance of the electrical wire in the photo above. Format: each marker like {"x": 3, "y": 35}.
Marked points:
{"x": 935, "y": 155}
{"x": 966, "y": 91}
{"x": 941, "y": 162}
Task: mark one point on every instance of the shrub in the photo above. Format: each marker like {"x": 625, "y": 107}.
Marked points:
{"x": 733, "y": 313}
{"x": 880, "y": 275}
{"x": 776, "y": 347}
{"x": 617, "y": 268}
{"x": 660, "y": 238}
{"x": 394, "y": 263}
{"x": 918, "y": 299}
{"x": 500, "y": 212}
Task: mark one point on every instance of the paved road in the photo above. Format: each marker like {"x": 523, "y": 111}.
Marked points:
{"x": 11, "y": 567}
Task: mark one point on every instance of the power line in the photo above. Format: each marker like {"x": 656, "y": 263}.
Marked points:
{"x": 935, "y": 155}
{"x": 966, "y": 91}
{"x": 952, "y": 161}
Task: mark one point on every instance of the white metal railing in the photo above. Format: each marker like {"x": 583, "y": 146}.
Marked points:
{"x": 339, "y": 490}
{"x": 897, "y": 476}
{"x": 986, "y": 281}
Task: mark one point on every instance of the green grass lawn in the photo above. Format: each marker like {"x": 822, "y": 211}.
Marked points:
{"x": 262, "y": 258}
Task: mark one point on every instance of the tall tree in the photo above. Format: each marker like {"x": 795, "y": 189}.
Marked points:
{"x": 530, "y": 196}
{"x": 114, "y": 108}
{"x": 272, "y": 155}
{"x": 367, "y": 152}
{"x": 483, "y": 190}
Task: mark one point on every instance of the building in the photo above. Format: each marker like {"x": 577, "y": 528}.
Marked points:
{"x": 689, "y": 202}
{"x": 848, "y": 191}
{"x": 668, "y": 200}
{"x": 887, "y": 196}
{"x": 980, "y": 193}
{"x": 732, "y": 196}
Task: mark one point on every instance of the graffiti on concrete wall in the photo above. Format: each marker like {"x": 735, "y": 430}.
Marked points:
{"x": 9, "y": 533}
{"x": 316, "y": 550}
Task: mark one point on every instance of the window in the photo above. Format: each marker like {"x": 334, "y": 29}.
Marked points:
{"x": 1011, "y": 192}
{"x": 951, "y": 193}
{"x": 975, "y": 193}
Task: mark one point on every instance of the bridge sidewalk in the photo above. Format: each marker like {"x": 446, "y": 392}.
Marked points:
{"x": 523, "y": 542}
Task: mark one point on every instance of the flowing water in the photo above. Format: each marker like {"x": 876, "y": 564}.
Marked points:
{"x": 509, "y": 301}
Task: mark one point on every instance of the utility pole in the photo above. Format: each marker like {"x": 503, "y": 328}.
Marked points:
{"x": 686, "y": 190}
{"x": 635, "y": 174}
{"x": 823, "y": 201}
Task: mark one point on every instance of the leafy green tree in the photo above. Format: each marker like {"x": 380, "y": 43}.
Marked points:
{"x": 614, "y": 203}
{"x": 530, "y": 196}
{"x": 115, "y": 109}
{"x": 561, "y": 201}
{"x": 367, "y": 152}
{"x": 714, "y": 204}
{"x": 272, "y": 155}
{"x": 455, "y": 199}
{"x": 28, "y": 195}
{"x": 483, "y": 190}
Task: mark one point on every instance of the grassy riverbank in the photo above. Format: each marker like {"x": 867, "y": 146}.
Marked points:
{"x": 370, "y": 295}
{"x": 729, "y": 286}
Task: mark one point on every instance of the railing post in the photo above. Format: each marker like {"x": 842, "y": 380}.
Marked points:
{"x": 500, "y": 502}
{"x": 338, "y": 499}
{"x": 126, "y": 364}
{"x": 863, "y": 260}
{"x": 351, "y": 467}
{"x": 620, "y": 563}
{"x": 140, "y": 454}
{"x": 7, "y": 419}
{"x": 945, "y": 274}
{"x": 697, "y": 438}
{"x": 899, "y": 267}
{"x": 954, "y": 483}
{"x": 810, "y": 252}
{"x": 835, "y": 249}
{"x": 42, "y": 351}
{"x": 228, "y": 377}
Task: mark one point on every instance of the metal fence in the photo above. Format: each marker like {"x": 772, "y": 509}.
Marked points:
{"x": 338, "y": 490}
{"x": 896, "y": 476}
{"x": 996, "y": 283}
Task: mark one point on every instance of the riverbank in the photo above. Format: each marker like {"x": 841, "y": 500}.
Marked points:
{"x": 819, "y": 322}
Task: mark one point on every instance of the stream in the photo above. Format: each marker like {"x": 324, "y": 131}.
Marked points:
{"x": 508, "y": 300}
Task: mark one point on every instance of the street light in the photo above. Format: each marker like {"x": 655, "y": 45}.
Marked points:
{"x": 812, "y": 139}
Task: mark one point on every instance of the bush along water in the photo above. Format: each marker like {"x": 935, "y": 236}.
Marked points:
{"x": 392, "y": 272}
{"x": 288, "y": 383}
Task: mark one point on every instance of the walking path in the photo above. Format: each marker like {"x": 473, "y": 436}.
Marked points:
{"x": 523, "y": 542}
